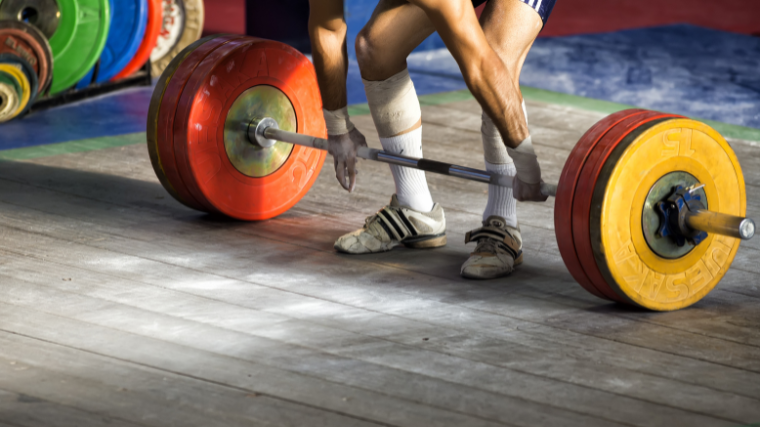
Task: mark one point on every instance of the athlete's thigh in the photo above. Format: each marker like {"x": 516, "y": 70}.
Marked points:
{"x": 326, "y": 13}
{"x": 395, "y": 29}
{"x": 511, "y": 27}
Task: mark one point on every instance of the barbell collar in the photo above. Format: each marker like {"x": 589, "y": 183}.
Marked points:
{"x": 727, "y": 225}
{"x": 263, "y": 130}
{"x": 256, "y": 131}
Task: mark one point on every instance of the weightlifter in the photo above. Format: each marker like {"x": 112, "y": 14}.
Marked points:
{"x": 490, "y": 58}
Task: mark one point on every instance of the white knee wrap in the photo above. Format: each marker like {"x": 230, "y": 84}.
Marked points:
{"x": 393, "y": 104}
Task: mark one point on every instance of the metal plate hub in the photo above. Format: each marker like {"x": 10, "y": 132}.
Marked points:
{"x": 666, "y": 247}
{"x": 43, "y": 14}
{"x": 252, "y": 159}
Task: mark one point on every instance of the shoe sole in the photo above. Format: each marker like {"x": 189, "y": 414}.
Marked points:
{"x": 519, "y": 260}
{"x": 426, "y": 243}
{"x": 517, "y": 263}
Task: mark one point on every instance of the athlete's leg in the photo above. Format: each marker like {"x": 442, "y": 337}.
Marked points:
{"x": 411, "y": 218}
{"x": 394, "y": 30}
{"x": 510, "y": 26}
{"x": 484, "y": 72}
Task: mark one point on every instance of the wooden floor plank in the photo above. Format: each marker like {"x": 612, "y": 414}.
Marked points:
{"x": 211, "y": 263}
{"x": 235, "y": 372}
{"x": 345, "y": 342}
{"x": 23, "y": 410}
{"x": 156, "y": 288}
{"x": 274, "y": 347}
{"x": 143, "y": 395}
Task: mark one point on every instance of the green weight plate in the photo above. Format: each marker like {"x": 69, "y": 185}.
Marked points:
{"x": 78, "y": 41}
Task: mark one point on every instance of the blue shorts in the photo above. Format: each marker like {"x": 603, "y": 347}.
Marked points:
{"x": 543, "y": 7}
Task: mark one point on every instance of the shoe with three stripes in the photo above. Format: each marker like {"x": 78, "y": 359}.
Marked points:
{"x": 394, "y": 225}
{"x": 498, "y": 252}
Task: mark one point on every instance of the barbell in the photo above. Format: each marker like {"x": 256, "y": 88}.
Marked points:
{"x": 649, "y": 208}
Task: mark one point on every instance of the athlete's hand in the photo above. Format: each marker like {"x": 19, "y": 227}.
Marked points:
{"x": 343, "y": 149}
{"x": 527, "y": 192}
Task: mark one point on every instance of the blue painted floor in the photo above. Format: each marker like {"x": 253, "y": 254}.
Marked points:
{"x": 114, "y": 114}
{"x": 680, "y": 68}
{"x": 683, "y": 69}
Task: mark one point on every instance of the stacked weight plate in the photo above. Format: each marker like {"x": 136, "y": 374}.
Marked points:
{"x": 89, "y": 41}
{"x": 171, "y": 26}
{"x": 79, "y": 40}
{"x": 76, "y": 31}
{"x": 125, "y": 32}
{"x": 154, "y": 22}
{"x": 31, "y": 45}
{"x": 197, "y": 126}
{"x": 182, "y": 25}
{"x": 605, "y": 217}
{"x": 11, "y": 94}
{"x": 25, "y": 67}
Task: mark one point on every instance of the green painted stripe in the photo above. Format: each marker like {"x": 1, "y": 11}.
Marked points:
{"x": 606, "y": 107}
{"x": 358, "y": 109}
{"x": 588, "y": 104}
{"x": 529, "y": 93}
{"x": 79, "y": 146}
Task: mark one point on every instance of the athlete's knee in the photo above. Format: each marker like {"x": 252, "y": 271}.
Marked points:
{"x": 377, "y": 60}
{"x": 366, "y": 49}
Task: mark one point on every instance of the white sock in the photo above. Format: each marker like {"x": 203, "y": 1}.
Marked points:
{"x": 411, "y": 186}
{"x": 500, "y": 200}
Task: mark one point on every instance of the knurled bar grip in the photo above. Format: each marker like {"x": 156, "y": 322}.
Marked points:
{"x": 272, "y": 133}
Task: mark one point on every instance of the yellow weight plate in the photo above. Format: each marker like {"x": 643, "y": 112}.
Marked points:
{"x": 623, "y": 255}
{"x": 9, "y": 101}
{"x": 26, "y": 89}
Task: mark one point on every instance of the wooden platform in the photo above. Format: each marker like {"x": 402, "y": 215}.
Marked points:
{"x": 120, "y": 307}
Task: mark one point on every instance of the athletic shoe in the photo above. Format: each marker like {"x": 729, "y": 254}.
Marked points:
{"x": 498, "y": 252}
{"x": 394, "y": 225}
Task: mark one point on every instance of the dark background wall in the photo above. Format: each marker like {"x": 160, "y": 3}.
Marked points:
{"x": 595, "y": 16}
{"x": 286, "y": 20}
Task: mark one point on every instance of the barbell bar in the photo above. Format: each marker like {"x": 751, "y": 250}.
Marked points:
{"x": 265, "y": 132}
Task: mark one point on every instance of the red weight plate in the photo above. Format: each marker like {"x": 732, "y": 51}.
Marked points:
{"x": 152, "y": 134}
{"x": 152, "y": 30}
{"x": 167, "y": 114}
{"x": 199, "y": 130}
{"x": 563, "y": 204}
{"x": 585, "y": 191}
{"x": 26, "y": 41}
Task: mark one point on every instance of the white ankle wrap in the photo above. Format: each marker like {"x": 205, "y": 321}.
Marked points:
{"x": 526, "y": 162}
{"x": 337, "y": 121}
{"x": 494, "y": 149}
{"x": 393, "y": 104}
